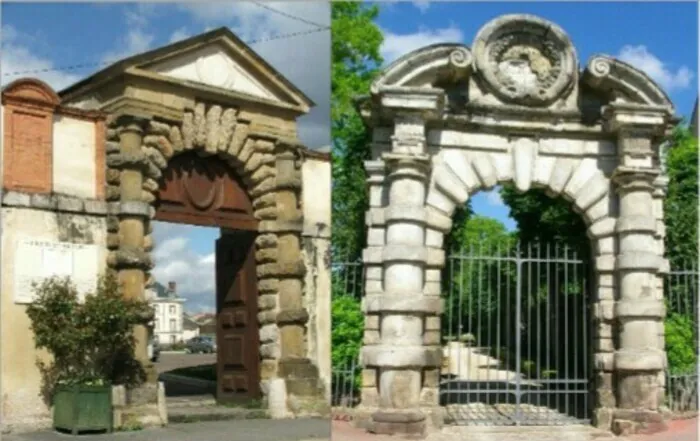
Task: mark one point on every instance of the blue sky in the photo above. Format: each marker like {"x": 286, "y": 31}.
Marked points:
{"x": 34, "y": 38}
{"x": 660, "y": 38}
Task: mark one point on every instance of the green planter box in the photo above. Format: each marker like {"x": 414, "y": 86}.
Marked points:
{"x": 82, "y": 408}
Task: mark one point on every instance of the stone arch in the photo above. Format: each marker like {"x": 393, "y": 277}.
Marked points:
{"x": 270, "y": 171}
{"x": 442, "y": 131}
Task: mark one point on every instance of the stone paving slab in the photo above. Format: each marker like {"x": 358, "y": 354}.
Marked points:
{"x": 343, "y": 431}
{"x": 239, "y": 430}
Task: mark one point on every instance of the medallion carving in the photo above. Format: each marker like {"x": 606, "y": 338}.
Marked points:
{"x": 525, "y": 60}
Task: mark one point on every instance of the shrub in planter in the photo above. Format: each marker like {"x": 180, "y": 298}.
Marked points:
{"x": 91, "y": 344}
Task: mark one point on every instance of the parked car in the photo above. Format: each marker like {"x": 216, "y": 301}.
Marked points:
{"x": 153, "y": 349}
{"x": 201, "y": 345}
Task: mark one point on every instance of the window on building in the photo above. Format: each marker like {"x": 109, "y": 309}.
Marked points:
{"x": 172, "y": 325}
{"x": 173, "y": 340}
{"x": 155, "y": 325}
{"x": 172, "y": 309}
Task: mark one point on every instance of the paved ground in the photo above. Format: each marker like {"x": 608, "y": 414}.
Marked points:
{"x": 685, "y": 430}
{"x": 243, "y": 430}
{"x": 170, "y": 361}
{"x": 680, "y": 430}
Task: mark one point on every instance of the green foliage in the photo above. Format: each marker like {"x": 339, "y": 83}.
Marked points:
{"x": 356, "y": 41}
{"x": 543, "y": 219}
{"x": 91, "y": 342}
{"x": 681, "y": 204}
{"x": 681, "y": 343}
{"x": 348, "y": 327}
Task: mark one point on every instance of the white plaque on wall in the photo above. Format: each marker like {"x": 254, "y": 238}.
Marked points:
{"x": 37, "y": 260}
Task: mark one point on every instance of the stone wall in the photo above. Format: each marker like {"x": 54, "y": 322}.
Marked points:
{"x": 316, "y": 203}
{"x": 44, "y": 147}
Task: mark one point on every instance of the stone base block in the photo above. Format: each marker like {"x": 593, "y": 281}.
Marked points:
{"x": 409, "y": 423}
{"x": 306, "y": 394}
{"x": 631, "y": 421}
{"x": 139, "y": 407}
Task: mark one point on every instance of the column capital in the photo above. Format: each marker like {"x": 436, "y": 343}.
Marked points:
{"x": 632, "y": 178}
{"x": 637, "y": 120}
{"x": 428, "y": 104}
{"x": 407, "y": 165}
{"x": 131, "y": 124}
{"x": 376, "y": 171}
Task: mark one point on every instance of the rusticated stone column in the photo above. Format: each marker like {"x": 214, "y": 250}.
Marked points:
{"x": 130, "y": 260}
{"x": 303, "y": 385}
{"x": 400, "y": 303}
{"x": 640, "y": 359}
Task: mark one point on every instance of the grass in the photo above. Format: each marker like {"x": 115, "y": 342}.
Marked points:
{"x": 202, "y": 372}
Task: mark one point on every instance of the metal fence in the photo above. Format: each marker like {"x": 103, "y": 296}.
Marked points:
{"x": 517, "y": 326}
{"x": 516, "y": 330}
{"x": 681, "y": 293}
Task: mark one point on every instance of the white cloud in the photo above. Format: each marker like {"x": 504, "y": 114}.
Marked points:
{"x": 304, "y": 59}
{"x": 176, "y": 261}
{"x": 135, "y": 41}
{"x": 422, "y": 5}
{"x": 16, "y": 57}
{"x": 493, "y": 197}
{"x": 395, "y": 45}
{"x": 179, "y": 34}
{"x": 641, "y": 58}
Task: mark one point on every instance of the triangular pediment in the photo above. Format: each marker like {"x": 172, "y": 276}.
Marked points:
{"x": 214, "y": 65}
{"x": 215, "y": 60}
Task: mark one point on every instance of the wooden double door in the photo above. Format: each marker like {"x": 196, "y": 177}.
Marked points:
{"x": 205, "y": 191}
{"x": 238, "y": 342}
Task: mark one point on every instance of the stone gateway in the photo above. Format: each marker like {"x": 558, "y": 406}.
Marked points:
{"x": 448, "y": 121}
{"x": 202, "y": 132}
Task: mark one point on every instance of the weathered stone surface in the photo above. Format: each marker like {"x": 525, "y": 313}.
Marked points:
{"x": 539, "y": 142}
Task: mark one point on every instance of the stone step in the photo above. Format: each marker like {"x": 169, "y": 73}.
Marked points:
{"x": 187, "y": 414}
{"x": 191, "y": 401}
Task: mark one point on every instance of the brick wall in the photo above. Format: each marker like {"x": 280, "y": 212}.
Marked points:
{"x": 33, "y": 117}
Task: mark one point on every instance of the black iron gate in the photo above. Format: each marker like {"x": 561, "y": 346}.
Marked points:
{"x": 517, "y": 332}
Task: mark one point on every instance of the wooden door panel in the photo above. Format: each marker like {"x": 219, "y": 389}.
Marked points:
{"x": 237, "y": 327}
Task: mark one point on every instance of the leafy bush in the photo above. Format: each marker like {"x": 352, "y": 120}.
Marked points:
{"x": 348, "y": 328}
{"x": 91, "y": 342}
{"x": 681, "y": 344}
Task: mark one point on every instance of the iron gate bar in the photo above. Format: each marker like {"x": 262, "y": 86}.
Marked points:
{"x": 551, "y": 389}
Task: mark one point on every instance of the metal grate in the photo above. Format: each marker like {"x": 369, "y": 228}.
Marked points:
{"x": 518, "y": 334}
{"x": 681, "y": 293}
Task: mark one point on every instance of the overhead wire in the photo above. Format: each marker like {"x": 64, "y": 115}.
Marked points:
{"x": 105, "y": 63}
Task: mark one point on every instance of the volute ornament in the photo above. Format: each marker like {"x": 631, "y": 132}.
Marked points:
{"x": 525, "y": 60}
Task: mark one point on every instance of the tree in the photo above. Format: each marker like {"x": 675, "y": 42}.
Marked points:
{"x": 356, "y": 41}
{"x": 681, "y": 204}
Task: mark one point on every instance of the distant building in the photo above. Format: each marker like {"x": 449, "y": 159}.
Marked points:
{"x": 190, "y": 328}
{"x": 207, "y": 324}
{"x": 168, "y": 313}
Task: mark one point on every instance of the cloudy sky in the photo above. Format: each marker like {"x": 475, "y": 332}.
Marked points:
{"x": 661, "y": 38}
{"x": 35, "y": 43}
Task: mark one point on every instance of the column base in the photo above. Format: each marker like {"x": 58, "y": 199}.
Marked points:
{"x": 139, "y": 407}
{"x": 305, "y": 391}
{"x": 624, "y": 422}
{"x": 412, "y": 423}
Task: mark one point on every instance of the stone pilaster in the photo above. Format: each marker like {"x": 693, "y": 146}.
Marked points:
{"x": 305, "y": 391}
{"x": 640, "y": 358}
{"x": 130, "y": 259}
{"x": 396, "y": 356}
